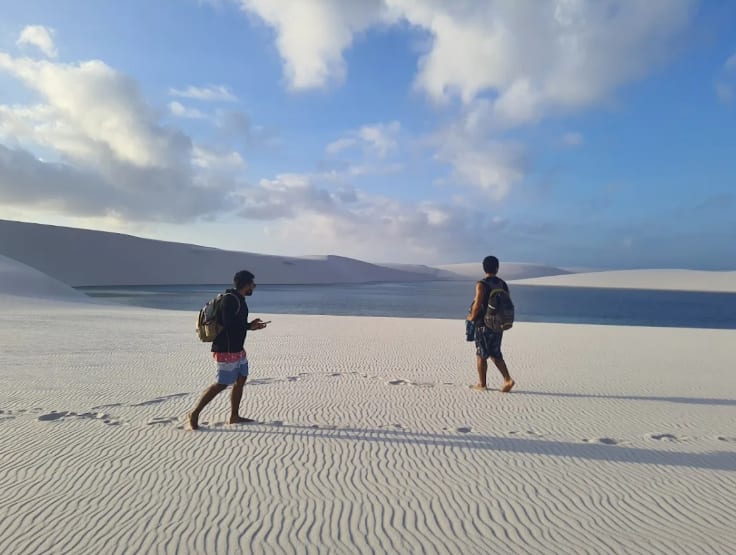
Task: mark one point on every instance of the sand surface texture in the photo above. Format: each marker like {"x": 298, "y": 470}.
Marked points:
{"x": 368, "y": 440}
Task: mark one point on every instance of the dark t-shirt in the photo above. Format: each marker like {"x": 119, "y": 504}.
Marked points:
{"x": 234, "y": 318}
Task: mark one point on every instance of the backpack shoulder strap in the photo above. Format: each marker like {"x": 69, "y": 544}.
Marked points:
{"x": 237, "y": 300}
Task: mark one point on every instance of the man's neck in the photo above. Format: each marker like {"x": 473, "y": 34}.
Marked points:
{"x": 490, "y": 275}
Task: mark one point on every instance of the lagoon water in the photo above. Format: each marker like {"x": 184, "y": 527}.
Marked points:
{"x": 451, "y": 300}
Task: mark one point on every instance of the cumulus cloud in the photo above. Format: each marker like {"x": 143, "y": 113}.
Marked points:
{"x": 211, "y": 93}
{"x": 505, "y": 64}
{"x": 124, "y": 191}
{"x": 39, "y": 36}
{"x": 493, "y": 167}
{"x": 93, "y": 145}
{"x": 341, "y": 144}
{"x": 311, "y": 36}
{"x": 215, "y": 160}
{"x": 179, "y": 110}
{"x": 379, "y": 140}
{"x": 533, "y": 57}
{"x": 93, "y": 111}
{"x": 338, "y": 218}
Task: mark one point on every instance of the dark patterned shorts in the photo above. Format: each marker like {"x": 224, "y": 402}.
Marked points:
{"x": 488, "y": 343}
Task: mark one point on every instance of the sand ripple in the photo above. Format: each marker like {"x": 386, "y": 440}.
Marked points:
{"x": 367, "y": 440}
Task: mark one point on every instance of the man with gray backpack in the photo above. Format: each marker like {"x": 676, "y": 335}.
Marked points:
{"x": 491, "y": 313}
{"x": 224, "y": 322}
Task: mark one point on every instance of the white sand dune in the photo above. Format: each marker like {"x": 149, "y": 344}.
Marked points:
{"x": 18, "y": 281}
{"x": 83, "y": 257}
{"x": 616, "y": 440}
{"x": 675, "y": 280}
{"x": 508, "y": 271}
{"x": 429, "y": 271}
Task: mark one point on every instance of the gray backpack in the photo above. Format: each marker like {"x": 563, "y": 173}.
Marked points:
{"x": 209, "y": 319}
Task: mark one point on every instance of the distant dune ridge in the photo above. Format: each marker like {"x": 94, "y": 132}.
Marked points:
{"x": 673, "y": 280}
{"x": 80, "y": 257}
{"x": 508, "y": 270}
{"x": 83, "y": 257}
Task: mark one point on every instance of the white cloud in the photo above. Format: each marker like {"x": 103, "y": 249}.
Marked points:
{"x": 725, "y": 84}
{"x": 508, "y": 63}
{"x": 39, "y": 36}
{"x": 491, "y": 167}
{"x": 221, "y": 161}
{"x": 93, "y": 146}
{"x": 338, "y": 218}
{"x": 339, "y": 145}
{"x": 572, "y": 139}
{"x": 311, "y": 36}
{"x": 382, "y": 137}
{"x": 181, "y": 111}
{"x": 93, "y": 111}
{"x": 212, "y": 93}
{"x": 379, "y": 139}
{"x": 534, "y": 57}
{"x": 479, "y": 161}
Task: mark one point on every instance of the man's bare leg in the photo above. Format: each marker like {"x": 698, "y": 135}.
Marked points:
{"x": 482, "y": 373}
{"x": 210, "y": 393}
{"x": 508, "y": 383}
{"x": 235, "y": 397}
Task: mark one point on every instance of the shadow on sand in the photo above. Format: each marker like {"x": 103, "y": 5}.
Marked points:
{"x": 684, "y": 400}
{"x": 716, "y": 460}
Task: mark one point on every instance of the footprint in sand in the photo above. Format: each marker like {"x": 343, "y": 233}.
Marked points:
{"x": 7, "y": 415}
{"x": 728, "y": 439}
{"x": 261, "y": 381}
{"x": 607, "y": 441}
{"x": 663, "y": 437}
{"x": 162, "y": 420}
{"x": 53, "y": 415}
{"x": 64, "y": 415}
{"x": 464, "y": 430}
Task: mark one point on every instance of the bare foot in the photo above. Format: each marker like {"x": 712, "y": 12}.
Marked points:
{"x": 478, "y": 387}
{"x": 240, "y": 420}
{"x": 507, "y": 385}
{"x": 193, "y": 421}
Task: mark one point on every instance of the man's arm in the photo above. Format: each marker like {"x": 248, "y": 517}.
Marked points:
{"x": 475, "y": 310}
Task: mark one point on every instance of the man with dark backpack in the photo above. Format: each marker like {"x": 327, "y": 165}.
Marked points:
{"x": 228, "y": 347}
{"x": 492, "y": 312}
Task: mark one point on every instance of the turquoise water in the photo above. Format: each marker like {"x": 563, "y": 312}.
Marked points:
{"x": 451, "y": 299}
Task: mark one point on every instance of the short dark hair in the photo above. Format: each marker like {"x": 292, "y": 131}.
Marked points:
{"x": 490, "y": 265}
{"x": 243, "y": 278}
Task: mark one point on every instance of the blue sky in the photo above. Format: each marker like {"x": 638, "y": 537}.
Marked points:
{"x": 587, "y": 134}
